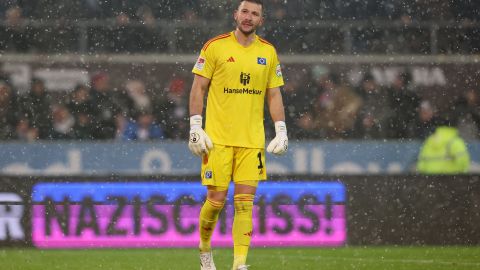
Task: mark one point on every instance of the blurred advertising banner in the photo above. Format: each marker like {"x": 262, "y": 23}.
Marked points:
{"x": 101, "y": 214}
{"x": 174, "y": 158}
{"x": 436, "y": 78}
{"x": 15, "y": 212}
{"x": 298, "y": 210}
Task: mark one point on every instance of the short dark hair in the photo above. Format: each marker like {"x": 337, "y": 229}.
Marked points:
{"x": 260, "y": 2}
{"x": 448, "y": 118}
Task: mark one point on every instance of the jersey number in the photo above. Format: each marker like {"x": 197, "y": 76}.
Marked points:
{"x": 260, "y": 164}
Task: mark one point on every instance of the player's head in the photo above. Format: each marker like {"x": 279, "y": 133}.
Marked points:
{"x": 249, "y": 16}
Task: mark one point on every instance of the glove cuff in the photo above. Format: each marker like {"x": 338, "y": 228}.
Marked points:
{"x": 280, "y": 127}
{"x": 195, "y": 121}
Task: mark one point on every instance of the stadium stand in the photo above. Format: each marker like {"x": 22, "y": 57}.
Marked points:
{"x": 373, "y": 106}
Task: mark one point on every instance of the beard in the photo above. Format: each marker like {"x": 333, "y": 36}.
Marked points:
{"x": 246, "y": 33}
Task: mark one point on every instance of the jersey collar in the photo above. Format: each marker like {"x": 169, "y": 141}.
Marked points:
{"x": 234, "y": 38}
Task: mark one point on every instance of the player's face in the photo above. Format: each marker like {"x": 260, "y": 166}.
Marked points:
{"x": 248, "y": 17}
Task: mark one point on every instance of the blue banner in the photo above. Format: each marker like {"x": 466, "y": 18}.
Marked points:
{"x": 174, "y": 158}
{"x": 100, "y": 192}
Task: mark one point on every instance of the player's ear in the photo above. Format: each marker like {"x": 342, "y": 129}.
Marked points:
{"x": 262, "y": 18}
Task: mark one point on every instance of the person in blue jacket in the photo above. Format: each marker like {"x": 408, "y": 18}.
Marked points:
{"x": 143, "y": 128}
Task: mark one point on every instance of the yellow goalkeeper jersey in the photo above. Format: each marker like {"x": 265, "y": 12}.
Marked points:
{"x": 239, "y": 77}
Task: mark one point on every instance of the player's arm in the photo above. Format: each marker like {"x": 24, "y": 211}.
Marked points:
{"x": 199, "y": 142}
{"x": 279, "y": 144}
{"x": 197, "y": 94}
{"x": 275, "y": 104}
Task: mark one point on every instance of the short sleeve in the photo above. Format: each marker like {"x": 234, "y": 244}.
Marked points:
{"x": 275, "y": 78}
{"x": 205, "y": 64}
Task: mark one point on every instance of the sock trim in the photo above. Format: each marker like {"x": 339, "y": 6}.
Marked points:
{"x": 248, "y": 197}
{"x": 216, "y": 204}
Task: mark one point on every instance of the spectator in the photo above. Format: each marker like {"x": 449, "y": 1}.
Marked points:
{"x": 14, "y": 17}
{"x": 425, "y": 121}
{"x": 372, "y": 122}
{"x": 444, "y": 152}
{"x": 403, "y": 102}
{"x": 319, "y": 75}
{"x": 297, "y": 112}
{"x": 136, "y": 97}
{"x": 15, "y": 36}
{"x": 5, "y": 5}
{"x": 82, "y": 129}
{"x": 336, "y": 109}
{"x": 171, "y": 109}
{"x": 8, "y": 111}
{"x": 80, "y": 106}
{"x": 25, "y": 132}
{"x": 468, "y": 110}
{"x": 80, "y": 100}
{"x": 143, "y": 128}
{"x": 308, "y": 103}
{"x": 63, "y": 123}
{"x": 299, "y": 105}
{"x": 36, "y": 107}
{"x": 104, "y": 106}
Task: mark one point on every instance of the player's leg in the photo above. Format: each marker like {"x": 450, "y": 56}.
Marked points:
{"x": 216, "y": 175}
{"x": 209, "y": 215}
{"x": 207, "y": 221}
{"x": 249, "y": 169}
{"x": 242, "y": 222}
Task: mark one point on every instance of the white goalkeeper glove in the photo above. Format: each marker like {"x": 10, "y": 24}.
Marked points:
{"x": 279, "y": 144}
{"x": 199, "y": 142}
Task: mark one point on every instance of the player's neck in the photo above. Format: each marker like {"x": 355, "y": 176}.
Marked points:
{"x": 243, "y": 39}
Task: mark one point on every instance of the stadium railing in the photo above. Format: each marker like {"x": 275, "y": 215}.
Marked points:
{"x": 297, "y": 36}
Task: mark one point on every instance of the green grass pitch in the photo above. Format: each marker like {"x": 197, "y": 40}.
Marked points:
{"x": 358, "y": 258}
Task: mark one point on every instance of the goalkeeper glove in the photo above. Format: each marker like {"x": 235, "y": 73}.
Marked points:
{"x": 279, "y": 144}
{"x": 199, "y": 142}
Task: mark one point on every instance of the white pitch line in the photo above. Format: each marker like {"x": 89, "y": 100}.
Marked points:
{"x": 413, "y": 261}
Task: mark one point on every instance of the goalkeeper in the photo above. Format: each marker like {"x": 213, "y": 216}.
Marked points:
{"x": 238, "y": 70}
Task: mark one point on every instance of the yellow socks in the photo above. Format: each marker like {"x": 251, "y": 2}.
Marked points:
{"x": 242, "y": 228}
{"x": 208, "y": 220}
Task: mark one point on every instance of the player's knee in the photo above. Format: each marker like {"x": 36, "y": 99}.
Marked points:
{"x": 211, "y": 210}
{"x": 243, "y": 203}
{"x": 217, "y": 195}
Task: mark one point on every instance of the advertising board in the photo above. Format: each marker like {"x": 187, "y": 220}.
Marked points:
{"x": 153, "y": 214}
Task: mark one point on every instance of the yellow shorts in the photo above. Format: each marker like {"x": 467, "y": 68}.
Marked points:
{"x": 226, "y": 163}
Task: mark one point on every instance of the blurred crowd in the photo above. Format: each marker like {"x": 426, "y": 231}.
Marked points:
{"x": 142, "y": 10}
{"x": 331, "y": 108}
{"x": 132, "y": 25}
{"x": 319, "y": 105}
{"x": 95, "y": 112}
